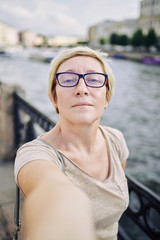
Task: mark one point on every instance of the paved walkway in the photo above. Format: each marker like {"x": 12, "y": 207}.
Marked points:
{"x": 7, "y": 200}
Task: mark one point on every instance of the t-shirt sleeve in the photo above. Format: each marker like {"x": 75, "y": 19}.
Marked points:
{"x": 34, "y": 150}
{"x": 123, "y": 149}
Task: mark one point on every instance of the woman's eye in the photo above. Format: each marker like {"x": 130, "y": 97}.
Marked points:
{"x": 93, "y": 80}
{"x": 69, "y": 80}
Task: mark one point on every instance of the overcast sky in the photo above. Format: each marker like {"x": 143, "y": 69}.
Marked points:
{"x": 64, "y": 17}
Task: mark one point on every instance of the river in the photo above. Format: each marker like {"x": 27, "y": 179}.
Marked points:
{"x": 135, "y": 108}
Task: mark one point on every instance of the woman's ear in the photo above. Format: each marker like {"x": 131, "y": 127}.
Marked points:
{"x": 55, "y": 101}
{"x": 106, "y": 104}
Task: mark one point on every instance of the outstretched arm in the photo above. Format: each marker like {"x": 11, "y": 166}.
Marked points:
{"x": 54, "y": 208}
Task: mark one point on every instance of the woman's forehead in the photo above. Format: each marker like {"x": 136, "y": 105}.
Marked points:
{"x": 77, "y": 62}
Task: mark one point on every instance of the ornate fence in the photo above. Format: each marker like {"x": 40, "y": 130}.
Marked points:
{"x": 143, "y": 212}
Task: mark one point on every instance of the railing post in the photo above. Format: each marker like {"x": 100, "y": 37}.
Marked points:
{"x": 30, "y": 131}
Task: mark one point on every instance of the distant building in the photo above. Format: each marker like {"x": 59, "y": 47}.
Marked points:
{"x": 92, "y": 34}
{"x": 63, "y": 41}
{"x": 126, "y": 27}
{"x": 27, "y": 38}
{"x": 99, "y": 31}
{"x": 8, "y": 36}
{"x": 106, "y": 28}
{"x": 39, "y": 41}
{"x": 150, "y": 16}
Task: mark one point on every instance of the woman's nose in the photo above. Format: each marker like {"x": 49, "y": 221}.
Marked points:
{"x": 81, "y": 87}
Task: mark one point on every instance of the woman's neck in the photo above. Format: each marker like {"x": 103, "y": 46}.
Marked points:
{"x": 70, "y": 136}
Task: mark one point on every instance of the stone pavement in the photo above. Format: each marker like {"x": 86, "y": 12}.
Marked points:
{"x": 7, "y": 200}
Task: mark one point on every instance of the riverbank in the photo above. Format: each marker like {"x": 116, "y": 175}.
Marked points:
{"x": 47, "y": 54}
{"x": 143, "y": 57}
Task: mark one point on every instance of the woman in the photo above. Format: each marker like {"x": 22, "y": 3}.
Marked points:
{"x": 79, "y": 192}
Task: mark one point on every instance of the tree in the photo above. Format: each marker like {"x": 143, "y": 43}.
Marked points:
{"x": 123, "y": 40}
{"x": 102, "y": 41}
{"x": 82, "y": 42}
{"x": 151, "y": 38}
{"x": 114, "y": 38}
{"x": 138, "y": 38}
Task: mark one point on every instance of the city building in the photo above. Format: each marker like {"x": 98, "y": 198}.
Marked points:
{"x": 39, "y": 41}
{"x": 101, "y": 30}
{"x": 8, "y": 36}
{"x": 63, "y": 41}
{"x": 27, "y": 38}
{"x": 106, "y": 28}
{"x": 150, "y": 16}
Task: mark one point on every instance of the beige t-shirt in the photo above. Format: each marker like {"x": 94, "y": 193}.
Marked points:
{"x": 109, "y": 198}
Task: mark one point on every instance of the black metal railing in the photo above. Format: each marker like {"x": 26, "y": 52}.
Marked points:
{"x": 143, "y": 211}
{"x": 24, "y": 132}
{"x": 144, "y": 205}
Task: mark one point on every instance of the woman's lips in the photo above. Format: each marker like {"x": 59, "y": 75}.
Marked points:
{"x": 82, "y": 104}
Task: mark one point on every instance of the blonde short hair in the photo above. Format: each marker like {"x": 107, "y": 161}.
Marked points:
{"x": 80, "y": 51}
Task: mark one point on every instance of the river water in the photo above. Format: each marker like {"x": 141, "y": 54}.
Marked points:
{"x": 135, "y": 108}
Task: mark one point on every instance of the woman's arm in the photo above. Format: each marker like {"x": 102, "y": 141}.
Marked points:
{"x": 54, "y": 208}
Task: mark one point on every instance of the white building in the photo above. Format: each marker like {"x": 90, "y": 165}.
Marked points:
{"x": 106, "y": 28}
{"x": 101, "y": 30}
{"x": 9, "y": 36}
{"x": 63, "y": 41}
{"x": 150, "y": 16}
{"x": 28, "y": 38}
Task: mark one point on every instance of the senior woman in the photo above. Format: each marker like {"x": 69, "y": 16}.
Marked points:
{"x": 73, "y": 176}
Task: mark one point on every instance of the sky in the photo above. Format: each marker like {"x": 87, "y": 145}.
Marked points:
{"x": 64, "y": 17}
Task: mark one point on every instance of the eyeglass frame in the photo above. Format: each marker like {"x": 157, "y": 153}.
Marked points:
{"x": 83, "y": 76}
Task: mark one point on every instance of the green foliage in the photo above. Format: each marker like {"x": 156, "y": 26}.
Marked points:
{"x": 150, "y": 38}
{"x": 114, "y": 38}
{"x": 117, "y": 39}
{"x": 102, "y": 41}
{"x": 123, "y": 40}
{"x": 82, "y": 42}
{"x": 138, "y": 39}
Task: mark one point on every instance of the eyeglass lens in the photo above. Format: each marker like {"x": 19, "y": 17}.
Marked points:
{"x": 72, "y": 79}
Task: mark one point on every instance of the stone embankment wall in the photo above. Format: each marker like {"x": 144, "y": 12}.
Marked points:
{"x": 6, "y": 122}
{"x": 7, "y": 118}
{"x": 7, "y": 155}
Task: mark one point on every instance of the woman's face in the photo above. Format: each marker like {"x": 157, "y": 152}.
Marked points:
{"x": 80, "y": 104}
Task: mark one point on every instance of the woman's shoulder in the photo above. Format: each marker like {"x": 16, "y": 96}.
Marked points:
{"x": 36, "y": 144}
{"x": 35, "y": 150}
{"x": 31, "y": 143}
{"x": 117, "y": 141}
{"x": 112, "y": 133}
